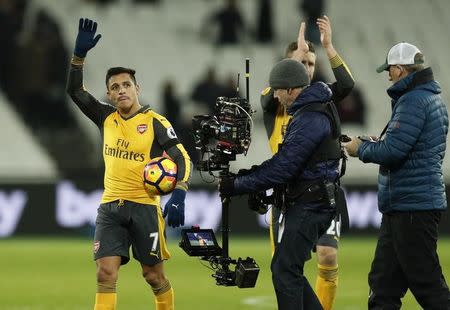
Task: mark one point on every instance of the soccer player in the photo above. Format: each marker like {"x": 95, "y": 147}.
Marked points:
{"x": 132, "y": 134}
{"x": 276, "y": 120}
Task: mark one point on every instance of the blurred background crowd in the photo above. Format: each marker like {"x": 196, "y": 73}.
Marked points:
{"x": 186, "y": 54}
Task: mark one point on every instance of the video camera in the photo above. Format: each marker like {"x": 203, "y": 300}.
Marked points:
{"x": 226, "y": 133}
{"x": 221, "y": 137}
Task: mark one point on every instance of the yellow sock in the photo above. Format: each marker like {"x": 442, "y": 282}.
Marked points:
{"x": 165, "y": 301}
{"x": 326, "y": 285}
{"x": 164, "y": 297}
{"x": 105, "y": 301}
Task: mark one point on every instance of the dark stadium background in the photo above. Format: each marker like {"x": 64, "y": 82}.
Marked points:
{"x": 50, "y": 154}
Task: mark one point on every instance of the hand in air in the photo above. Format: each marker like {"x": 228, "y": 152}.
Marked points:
{"x": 302, "y": 48}
{"x": 86, "y": 38}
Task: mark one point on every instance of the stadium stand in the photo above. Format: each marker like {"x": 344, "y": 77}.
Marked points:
{"x": 22, "y": 159}
{"x": 165, "y": 41}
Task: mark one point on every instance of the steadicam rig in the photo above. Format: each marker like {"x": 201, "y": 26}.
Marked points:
{"x": 219, "y": 138}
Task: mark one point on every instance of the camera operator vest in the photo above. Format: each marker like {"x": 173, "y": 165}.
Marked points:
{"x": 319, "y": 190}
{"x": 329, "y": 149}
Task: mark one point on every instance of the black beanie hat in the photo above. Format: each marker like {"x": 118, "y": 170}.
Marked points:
{"x": 288, "y": 73}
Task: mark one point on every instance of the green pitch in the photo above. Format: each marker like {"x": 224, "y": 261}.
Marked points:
{"x": 50, "y": 274}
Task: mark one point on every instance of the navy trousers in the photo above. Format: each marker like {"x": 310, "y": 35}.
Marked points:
{"x": 301, "y": 230}
{"x": 406, "y": 258}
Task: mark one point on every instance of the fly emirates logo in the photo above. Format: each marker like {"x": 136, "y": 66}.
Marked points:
{"x": 120, "y": 150}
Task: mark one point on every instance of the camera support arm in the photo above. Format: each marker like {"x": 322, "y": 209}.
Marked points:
{"x": 230, "y": 132}
{"x": 225, "y": 215}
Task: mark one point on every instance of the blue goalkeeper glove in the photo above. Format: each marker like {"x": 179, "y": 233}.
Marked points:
{"x": 174, "y": 208}
{"x": 86, "y": 38}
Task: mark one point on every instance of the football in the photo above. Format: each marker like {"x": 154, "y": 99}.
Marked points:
{"x": 160, "y": 176}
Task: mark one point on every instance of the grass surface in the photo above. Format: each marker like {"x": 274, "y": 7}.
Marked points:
{"x": 50, "y": 274}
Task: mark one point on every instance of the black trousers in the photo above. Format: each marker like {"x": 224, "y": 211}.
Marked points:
{"x": 300, "y": 232}
{"x": 406, "y": 258}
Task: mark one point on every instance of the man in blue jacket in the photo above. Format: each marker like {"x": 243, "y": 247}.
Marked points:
{"x": 411, "y": 190}
{"x": 276, "y": 119}
{"x": 308, "y": 165}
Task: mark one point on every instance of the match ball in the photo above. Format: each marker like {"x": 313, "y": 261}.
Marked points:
{"x": 160, "y": 176}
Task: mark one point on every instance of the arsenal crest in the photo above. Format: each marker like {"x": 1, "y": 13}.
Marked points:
{"x": 142, "y": 128}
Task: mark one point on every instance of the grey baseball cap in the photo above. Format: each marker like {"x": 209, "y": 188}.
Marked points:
{"x": 288, "y": 73}
{"x": 402, "y": 53}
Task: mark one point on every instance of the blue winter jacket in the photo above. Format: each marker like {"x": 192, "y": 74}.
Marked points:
{"x": 410, "y": 156}
{"x": 304, "y": 134}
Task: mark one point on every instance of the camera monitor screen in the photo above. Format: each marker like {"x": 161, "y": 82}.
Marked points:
{"x": 199, "y": 242}
{"x": 204, "y": 238}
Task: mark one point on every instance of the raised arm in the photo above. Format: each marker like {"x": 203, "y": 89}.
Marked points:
{"x": 344, "y": 79}
{"x": 88, "y": 104}
{"x": 302, "y": 48}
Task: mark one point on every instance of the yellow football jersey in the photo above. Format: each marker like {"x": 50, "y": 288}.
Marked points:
{"x": 282, "y": 119}
{"x": 276, "y": 119}
{"x": 128, "y": 145}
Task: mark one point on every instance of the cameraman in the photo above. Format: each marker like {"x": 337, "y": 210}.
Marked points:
{"x": 308, "y": 165}
{"x": 276, "y": 119}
